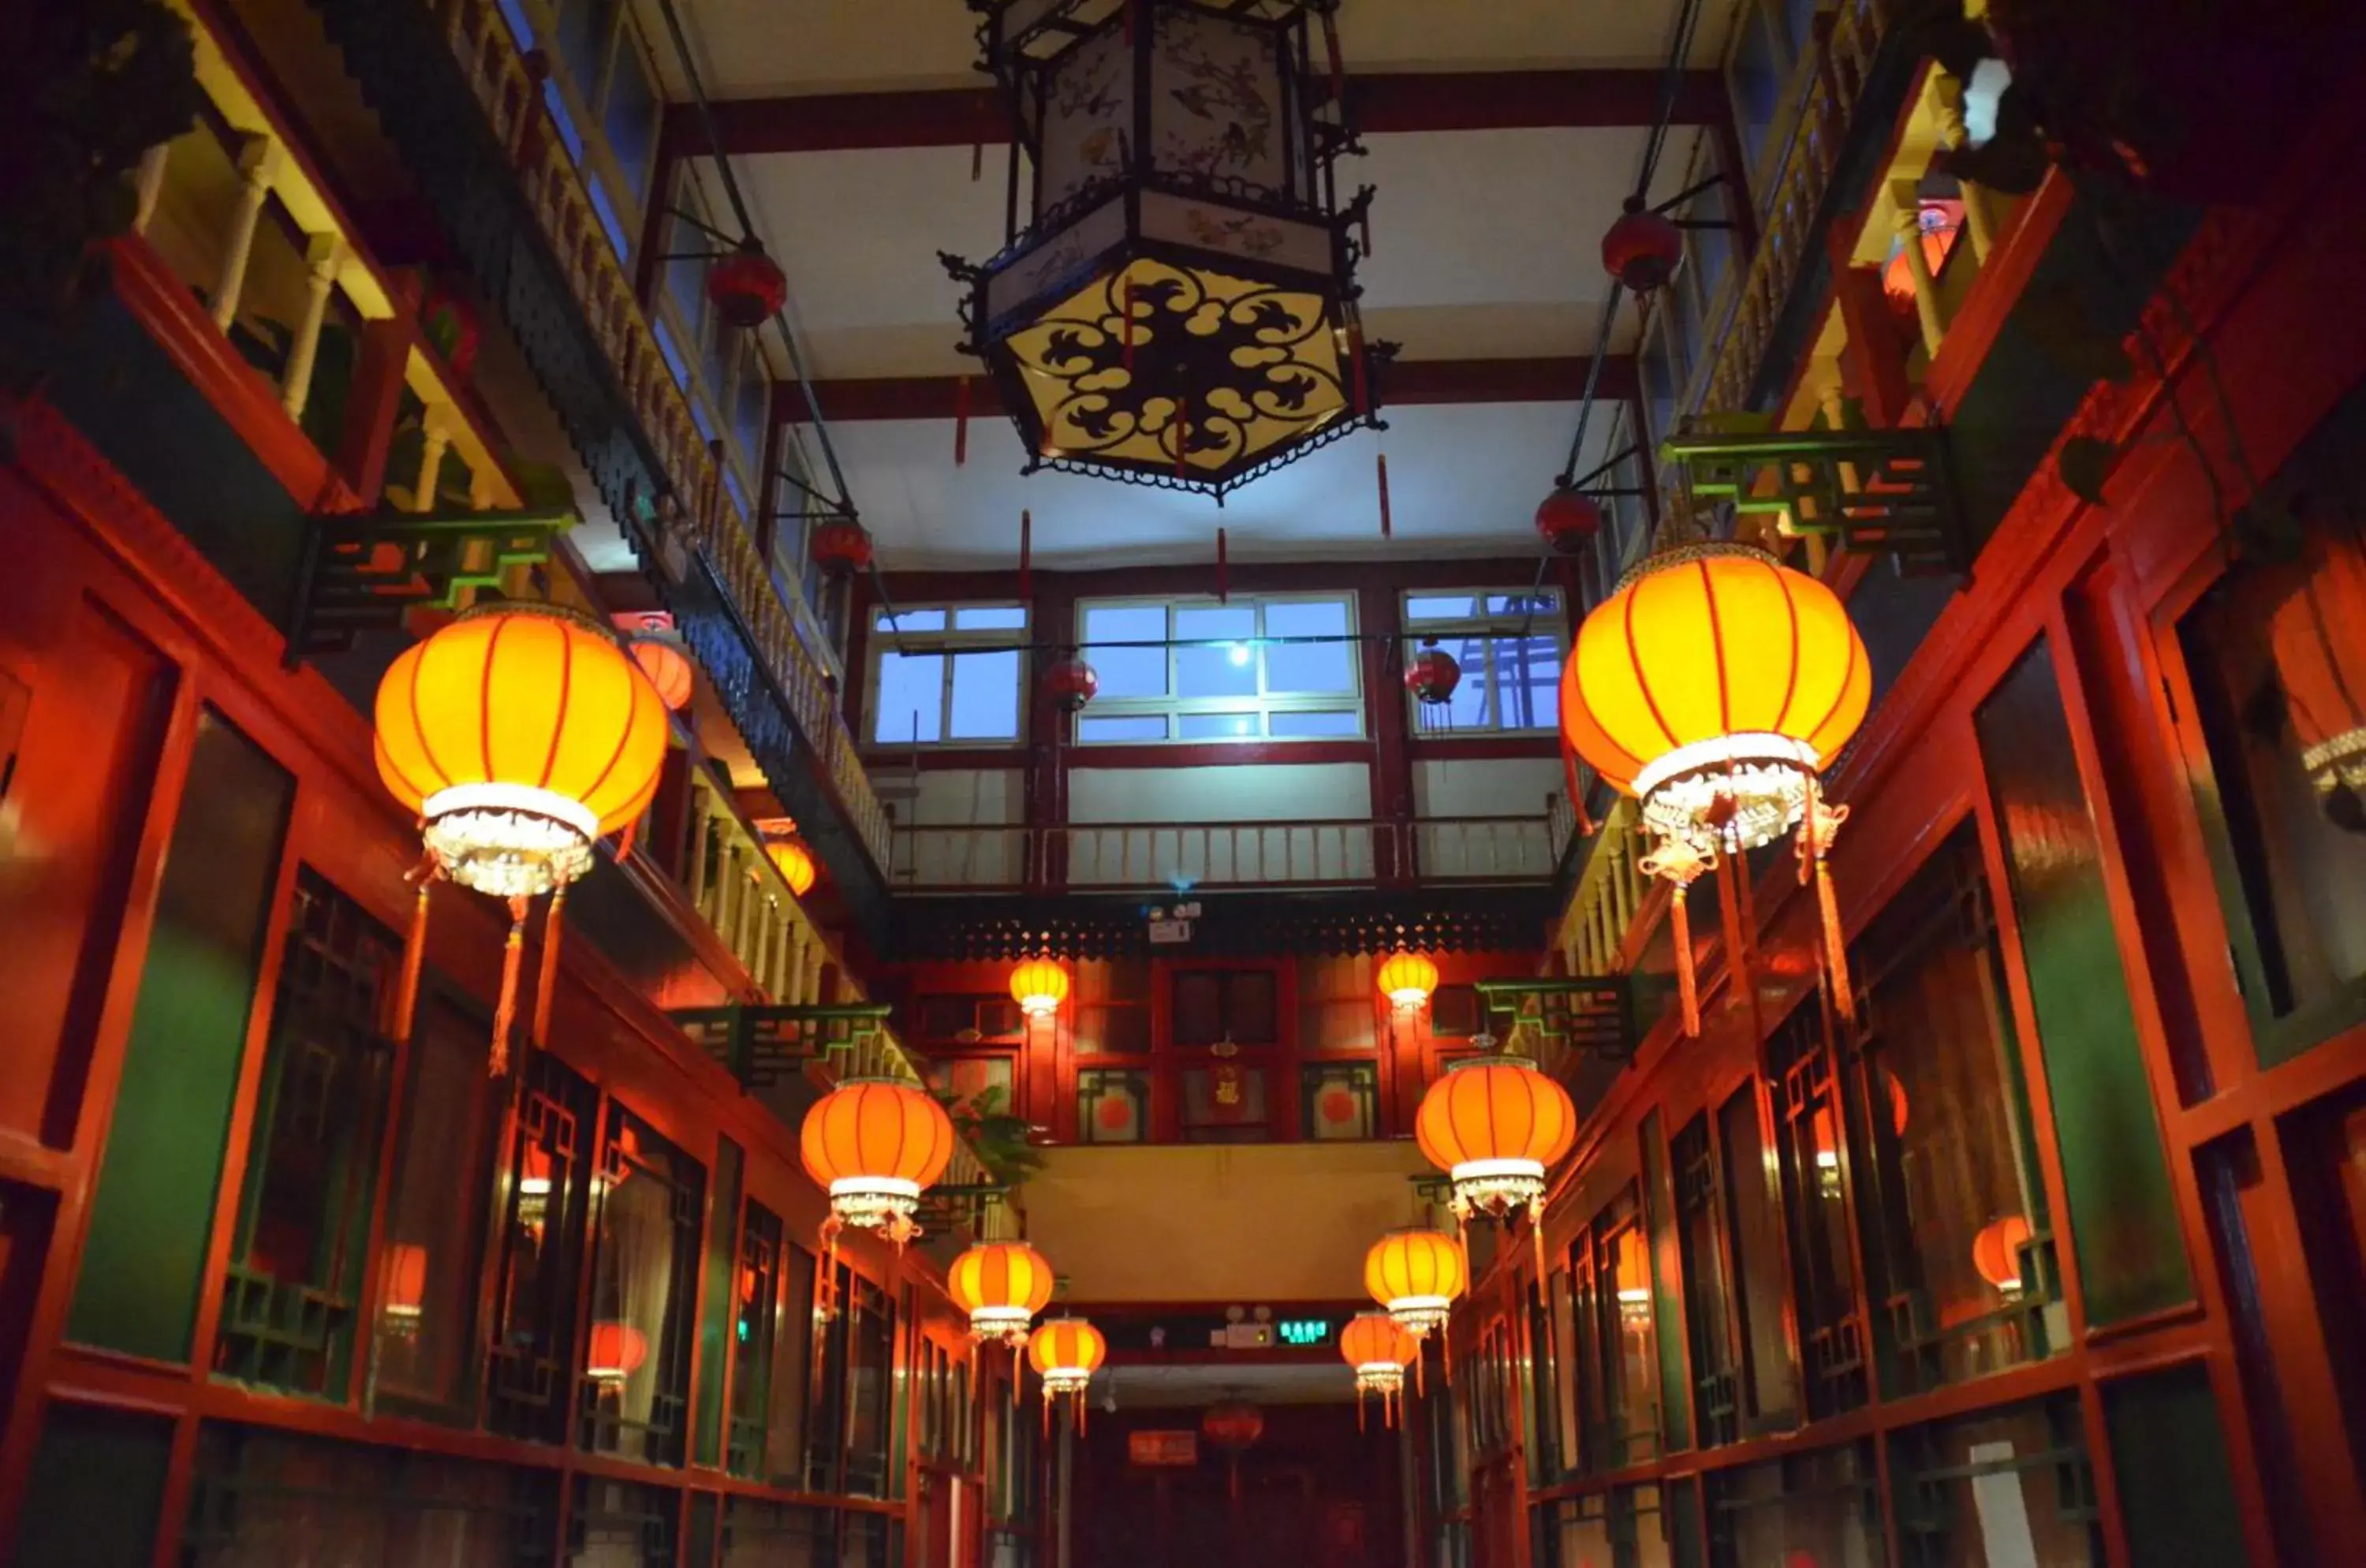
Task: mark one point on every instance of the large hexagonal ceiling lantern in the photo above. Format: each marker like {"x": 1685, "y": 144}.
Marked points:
{"x": 1179, "y": 308}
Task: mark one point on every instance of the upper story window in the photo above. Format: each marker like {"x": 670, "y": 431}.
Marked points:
{"x": 603, "y": 98}
{"x": 947, "y": 674}
{"x": 1509, "y": 643}
{"x": 1280, "y": 666}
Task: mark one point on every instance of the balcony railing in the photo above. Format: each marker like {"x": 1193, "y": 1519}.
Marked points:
{"x": 1128, "y": 856}
{"x": 631, "y": 422}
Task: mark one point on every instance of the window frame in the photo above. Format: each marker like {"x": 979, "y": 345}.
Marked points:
{"x": 949, "y": 643}
{"x": 1172, "y": 706}
{"x": 1494, "y": 627}
{"x": 625, "y": 191}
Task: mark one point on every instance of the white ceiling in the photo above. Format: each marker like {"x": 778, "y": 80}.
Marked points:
{"x": 1171, "y": 1385}
{"x": 762, "y": 48}
{"x": 1463, "y": 479}
{"x": 1486, "y": 245}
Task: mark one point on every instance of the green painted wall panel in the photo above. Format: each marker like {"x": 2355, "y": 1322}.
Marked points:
{"x": 2177, "y": 1485}
{"x": 2124, "y": 1223}
{"x": 95, "y": 1492}
{"x": 142, "y": 1267}
{"x": 721, "y": 1313}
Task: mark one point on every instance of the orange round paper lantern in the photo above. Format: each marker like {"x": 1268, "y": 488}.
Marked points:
{"x": 1995, "y": 1252}
{"x": 793, "y": 862}
{"x": 521, "y": 734}
{"x": 2320, "y": 664}
{"x": 1494, "y": 1124}
{"x": 406, "y": 1281}
{"x": 615, "y": 1353}
{"x": 663, "y": 657}
{"x": 1714, "y": 686}
{"x": 1631, "y": 1273}
{"x": 1067, "y": 1352}
{"x": 874, "y": 1144}
{"x": 1407, "y": 979}
{"x": 1039, "y": 986}
{"x": 1001, "y": 1285}
{"x": 1379, "y": 1348}
{"x": 1416, "y": 1274}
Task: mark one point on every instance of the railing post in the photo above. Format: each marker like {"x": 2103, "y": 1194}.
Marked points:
{"x": 320, "y": 277}
{"x": 151, "y": 185}
{"x": 435, "y": 439}
{"x": 255, "y": 157}
{"x": 1926, "y": 292}
{"x": 1980, "y": 224}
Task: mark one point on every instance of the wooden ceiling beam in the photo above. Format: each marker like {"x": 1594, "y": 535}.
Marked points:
{"x": 1405, "y": 385}
{"x": 1387, "y": 102}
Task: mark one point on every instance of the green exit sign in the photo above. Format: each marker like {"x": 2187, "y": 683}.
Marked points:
{"x": 1304, "y": 1330}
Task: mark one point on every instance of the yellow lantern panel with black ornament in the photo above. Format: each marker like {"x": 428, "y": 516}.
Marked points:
{"x": 1715, "y": 685}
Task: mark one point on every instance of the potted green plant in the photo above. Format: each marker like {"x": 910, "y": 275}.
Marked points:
{"x": 1001, "y": 1138}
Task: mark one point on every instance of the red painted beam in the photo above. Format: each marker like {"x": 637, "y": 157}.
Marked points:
{"x": 1390, "y": 101}
{"x": 1404, "y": 384}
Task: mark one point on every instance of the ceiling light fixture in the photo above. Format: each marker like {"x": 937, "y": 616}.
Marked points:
{"x": 1179, "y": 307}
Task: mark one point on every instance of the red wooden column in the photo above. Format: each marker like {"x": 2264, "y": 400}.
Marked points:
{"x": 1380, "y": 619}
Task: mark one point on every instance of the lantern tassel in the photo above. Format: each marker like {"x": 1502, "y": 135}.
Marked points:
{"x": 414, "y": 955}
{"x": 546, "y": 990}
{"x": 1222, "y": 596}
{"x": 1420, "y": 1365}
{"x": 1818, "y": 829}
{"x": 1360, "y": 1408}
{"x": 1047, "y": 1415}
{"x": 1383, "y": 461}
{"x": 1536, "y": 1234}
{"x": 1687, "y": 986}
{"x": 505, "y": 1009}
{"x": 960, "y": 421}
{"x": 1025, "y": 555}
{"x": 1733, "y": 879}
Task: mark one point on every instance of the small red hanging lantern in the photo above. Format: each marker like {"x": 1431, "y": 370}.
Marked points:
{"x": 1642, "y": 249}
{"x": 1995, "y": 1252}
{"x": 1072, "y": 683}
{"x": 617, "y": 1350}
{"x": 1432, "y": 674}
{"x": 1568, "y": 520}
{"x": 747, "y": 286}
{"x": 841, "y": 548}
{"x": 1232, "y": 1424}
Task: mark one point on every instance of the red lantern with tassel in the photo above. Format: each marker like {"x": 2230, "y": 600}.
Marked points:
{"x": 841, "y": 548}
{"x": 1072, "y": 683}
{"x": 1432, "y": 674}
{"x": 521, "y": 734}
{"x": 747, "y": 286}
{"x": 1568, "y": 520}
{"x": 1714, "y": 686}
{"x": 1642, "y": 249}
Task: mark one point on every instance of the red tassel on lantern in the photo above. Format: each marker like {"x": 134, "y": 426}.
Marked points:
{"x": 505, "y": 1009}
{"x": 1818, "y": 829}
{"x": 414, "y": 955}
{"x": 960, "y": 421}
{"x": 1383, "y": 462}
{"x": 545, "y": 988}
{"x": 1026, "y": 554}
{"x": 1222, "y": 595}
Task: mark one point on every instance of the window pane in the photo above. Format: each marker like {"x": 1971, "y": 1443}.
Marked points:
{"x": 434, "y": 1222}
{"x": 991, "y": 617}
{"x": 1432, "y": 607}
{"x": 1151, "y": 728}
{"x": 1544, "y": 602}
{"x": 985, "y": 696}
{"x": 1528, "y": 681}
{"x": 911, "y": 698}
{"x": 631, "y": 115}
{"x": 1756, "y": 1240}
{"x": 636, "y": 1363}
{"x": 527, "y": 1369}
{"x": 1321, "y": 667}
{"x": 1326, "y": 721}
{"x": 1227, "y": 670}
{"x": 304, "y": 1209}
{"x": 1127, "y": 671}
{"x": 911, "y": 620}
{"x": 1216, "y": 725}
{"x": 792, "y": 1390}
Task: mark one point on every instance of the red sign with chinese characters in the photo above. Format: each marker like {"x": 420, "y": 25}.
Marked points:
{"x": 1228, "y": 1092}
{"x": 1170, "y": 1450}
